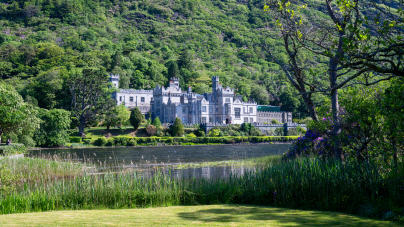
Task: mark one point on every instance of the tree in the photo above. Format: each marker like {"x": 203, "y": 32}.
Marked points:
{"x": 53, "y": 129}
{"x": 157, "y": 124}
{"x": 90, "y": 94}
{"x": 116, "y": 117}
{"x": 172, "y": 69}
{"x": 177, "y": 129}
{"x": 333, "y": 41}
{"x": 185, "y": 60}
{"x": 17, "y": 117}
{"x": 136, "y": 118}
{"x": 260, "y": 94}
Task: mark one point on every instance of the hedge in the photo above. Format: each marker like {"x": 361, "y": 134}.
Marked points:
{"x": 133, "y": 141}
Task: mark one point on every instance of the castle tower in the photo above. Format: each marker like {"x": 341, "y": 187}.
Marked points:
{"x": 215, "y": 83}
{"x": 114, "y": 79}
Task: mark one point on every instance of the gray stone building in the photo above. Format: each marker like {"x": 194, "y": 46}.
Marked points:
{"x": 221, "y": 106}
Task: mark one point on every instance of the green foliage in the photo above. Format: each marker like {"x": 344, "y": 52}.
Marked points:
{"x": 8, "y": 181}
{"x": 117, "y": 116}
{"x": 177, "y": 129}
{"x": 136, "y": 118}
{"x": 53, "y": 129}
{"x": 13, "y": 149}
{"x": 215, "y": 132}
{"x": 18, "y": 119}
{"x": 157, "y": 124}
{"x": 101, "y": 141}
{"x": 90, "y": 94}
{"x": 75, "y": 139}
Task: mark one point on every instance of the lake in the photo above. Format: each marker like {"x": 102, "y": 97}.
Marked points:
{"x": 167, "y": 159}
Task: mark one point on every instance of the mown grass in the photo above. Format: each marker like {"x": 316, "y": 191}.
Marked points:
{"x": 210, "y": 215}
{"x": 358, "y": 188}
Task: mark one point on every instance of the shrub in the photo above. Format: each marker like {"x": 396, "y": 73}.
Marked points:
{"x": 151, "y": 130}
{"x": 75, "y": 139}
{"x": 136, "y": 118}
{"x": 53, "y": 128}
{"x": 101, "y": 141}
{"x": 110, "y": 142}
{"x": 87, "y": 140}
{"x": 177, "y": 129}
{"x": 13, "y": 149}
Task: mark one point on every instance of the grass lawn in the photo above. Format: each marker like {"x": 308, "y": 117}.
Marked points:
{"x": 211, "y": 215}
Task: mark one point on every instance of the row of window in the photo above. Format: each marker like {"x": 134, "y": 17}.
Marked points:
{"x": 142, "y": 99}
{"x": 237, "y": 111}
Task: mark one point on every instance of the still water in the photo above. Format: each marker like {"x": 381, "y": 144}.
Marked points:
{"x": 148, "y": 160}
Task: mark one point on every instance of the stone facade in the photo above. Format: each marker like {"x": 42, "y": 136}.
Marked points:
{"x": 267, "y": 114}
{"x": 132, "y": 98}
{"x": 221, "y": 106}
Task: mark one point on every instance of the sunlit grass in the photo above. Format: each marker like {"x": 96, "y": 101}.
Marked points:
{"x": 211, "y": 215}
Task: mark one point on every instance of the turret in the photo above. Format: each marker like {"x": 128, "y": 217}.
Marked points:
{"x": 114, "y": 79}
{"x": 215, "y": 83}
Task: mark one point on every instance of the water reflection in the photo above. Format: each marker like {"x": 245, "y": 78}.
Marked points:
{"x": 148, "y": 161}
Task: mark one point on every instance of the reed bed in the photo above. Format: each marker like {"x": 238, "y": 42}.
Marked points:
{"x": 307, "y": 183}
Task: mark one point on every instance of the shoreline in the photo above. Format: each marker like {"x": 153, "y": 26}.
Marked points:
{"x": 159, "y": 145}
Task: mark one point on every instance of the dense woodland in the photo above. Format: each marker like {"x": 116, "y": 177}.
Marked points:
{"x": 57, "y": 54}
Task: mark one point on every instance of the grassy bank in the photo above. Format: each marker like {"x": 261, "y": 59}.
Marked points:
{"x": 211, "y": 215}
{"x": 364, "y": 189}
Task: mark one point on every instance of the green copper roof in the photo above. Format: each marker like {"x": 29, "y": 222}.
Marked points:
{"x": 269, "y": 108}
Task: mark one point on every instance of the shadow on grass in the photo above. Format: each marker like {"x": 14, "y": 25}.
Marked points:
{"x": 277, "y": 215}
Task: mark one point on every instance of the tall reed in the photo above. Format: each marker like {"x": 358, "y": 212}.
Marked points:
{"x": 307, "y": 183}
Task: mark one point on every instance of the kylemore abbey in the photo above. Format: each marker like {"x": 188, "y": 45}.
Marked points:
{"x": 222, "y": 106}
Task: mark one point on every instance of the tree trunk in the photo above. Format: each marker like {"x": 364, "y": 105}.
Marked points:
{"x": 310, "y": 107}
{"x": 335, "y": 108}
{"x": 82, "y": 125}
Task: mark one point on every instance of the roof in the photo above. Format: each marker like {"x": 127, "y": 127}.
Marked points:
{"x": 269, "y": 108}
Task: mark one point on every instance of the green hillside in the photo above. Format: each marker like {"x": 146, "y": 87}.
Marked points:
{"x": 43, "y": 41}
{"x": 146, "y": 42}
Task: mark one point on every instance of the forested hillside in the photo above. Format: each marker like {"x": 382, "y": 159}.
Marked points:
{"x": 43, "y": 41}
{"x": 146, "y": 42}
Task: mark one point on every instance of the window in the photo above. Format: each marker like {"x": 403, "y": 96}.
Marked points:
{"x": 244, "y": 109}
{"x": 184, "y": 110}
{"x": 227, "y": 100}
{"x": 251, "y": 110}
{"x": 237, "y": 112}
{"x": 246, "y": 120}
{"x": 210, "y": 109}
{"x": 142, "y": 99}
{"x": 251, "y": 120}
{"x": 203, "y": 119}
{"x": 211, "y": 119}
{"x": 204, "y": 109}
{"x": 130, "y": 99}
{"x": 120, "y": 98}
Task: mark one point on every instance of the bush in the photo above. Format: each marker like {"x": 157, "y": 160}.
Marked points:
{"x": 177, "y": 129}
{"x": 75, "y": 139}
{"x": 136, "y": 118}
{"x": 151, "y": 130}
{"x": 110, "y": 142}
{"x": 100, "y": 141}
{"x": 53, "y": 129}
{"x": 13, "y": 149}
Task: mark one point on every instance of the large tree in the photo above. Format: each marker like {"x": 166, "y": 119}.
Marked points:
{"x": 17, "y": 117}
{"x": 90, "y": 94}
{"x": 340, "y": 39}
{"x": 116, "y": 117}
